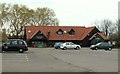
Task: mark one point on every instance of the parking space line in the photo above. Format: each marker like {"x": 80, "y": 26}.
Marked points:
{"x": 19, "y": 54}
{"x": 26, "y": 57}
{"x": 15, "y": 57}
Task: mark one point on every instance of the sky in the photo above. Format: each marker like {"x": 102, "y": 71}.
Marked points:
{"x": 75, "y": 12}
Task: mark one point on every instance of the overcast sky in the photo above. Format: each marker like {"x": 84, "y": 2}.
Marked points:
{"x": 75, "y": 12}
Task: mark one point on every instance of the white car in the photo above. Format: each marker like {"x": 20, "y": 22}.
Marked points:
{"x": 69, "y": 45}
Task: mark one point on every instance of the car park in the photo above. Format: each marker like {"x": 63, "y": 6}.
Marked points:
{"x": 101, "y": 45}
{"x": 15, "y": 45}
{"x": 69, "y": 45}
{"x": 57, "y": 45}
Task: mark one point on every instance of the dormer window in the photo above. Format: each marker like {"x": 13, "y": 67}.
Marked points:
{"x": 71, "y": 32}
{"x": 59, "y": 32}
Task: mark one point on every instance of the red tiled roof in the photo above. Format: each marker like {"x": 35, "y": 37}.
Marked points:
{"x": 80, "y": 32}
{"x": 86, "y": 32}
{"x": 103, "y": 36}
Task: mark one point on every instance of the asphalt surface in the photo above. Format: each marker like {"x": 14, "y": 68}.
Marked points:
{"x": 54, "y": 60}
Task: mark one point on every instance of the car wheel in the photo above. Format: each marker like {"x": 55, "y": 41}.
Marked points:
{"x": 77, "y": 48}
{"x": 58, "y": 47}
{"x": 110, "y": 49}
{"x": 64, "y": 48}
{"x": 96, "y": 48}
{"x": 6, "y": 47}
{"x": 106, "y": 49}
{"x": 20, "y": 50}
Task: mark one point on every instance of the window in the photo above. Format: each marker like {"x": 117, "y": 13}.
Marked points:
{"x": 71, "y": 32}
{"x": 40, "y": 37}
{"x": 20, "y": 42}
{"x": 8, "y": 42}
{"x": 67, "y": 43}
{"x": 59, "y": 32}
{"x": 72, "y": 43}
{"x": 14, "y": 42}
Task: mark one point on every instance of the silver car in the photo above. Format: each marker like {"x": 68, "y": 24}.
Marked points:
{"x": 69, "y": 45}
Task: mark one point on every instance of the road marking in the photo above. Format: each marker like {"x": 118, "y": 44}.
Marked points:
{"x": 26, "y": 57}
{"x": 19, "y": 54}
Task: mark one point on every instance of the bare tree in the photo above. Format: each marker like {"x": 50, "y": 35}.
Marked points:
{"x": 118, "y": 32}
{"x": 106, "y": 26}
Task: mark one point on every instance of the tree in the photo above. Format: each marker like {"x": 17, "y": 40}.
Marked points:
{"x": 17, "y": 16}
{"x": 118, "y": 32}
{"x": 4, "y": 36}
{"x": 45, "y": 17}
{"x": 3, "y": 14}
{"x": 118, "y": 25}
{"x": 106, "y": 26}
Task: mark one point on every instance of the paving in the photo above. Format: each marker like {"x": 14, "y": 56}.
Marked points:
{"x": 57, "y": 60}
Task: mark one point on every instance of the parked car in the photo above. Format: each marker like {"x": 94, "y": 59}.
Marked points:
{"x": 69, "y": 45}
{"x": 101, "y": 45}
{"x": 57, "y": 45}
{"x": 15, "y": 45}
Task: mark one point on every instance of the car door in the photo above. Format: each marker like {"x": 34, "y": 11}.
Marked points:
{"x": 106, "y": 46}
{"x": 68, "y": 45}
{"x": 72, "y": 45}
{"x": 14, "y": 45}
{"x": 100, "y": 46}
{"x": 21, "y": 44}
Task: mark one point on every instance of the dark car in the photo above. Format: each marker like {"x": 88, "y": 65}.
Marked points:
{"x": 57, "y": 45}
{"x": 101, "y": 45}
{"x": 15, "y": 45}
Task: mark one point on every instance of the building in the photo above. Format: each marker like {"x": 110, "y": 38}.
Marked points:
{"x": 43, "y": 36}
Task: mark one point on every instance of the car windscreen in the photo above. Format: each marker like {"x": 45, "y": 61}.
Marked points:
{"x": 24, "y": 42}
{"x": 58, "y": 43}
{"x": 98, "y": 44}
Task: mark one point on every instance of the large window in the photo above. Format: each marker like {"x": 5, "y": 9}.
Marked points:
{"x": 59, "y": 32}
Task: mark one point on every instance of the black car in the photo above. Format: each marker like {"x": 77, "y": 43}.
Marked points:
{"x": 15, "y": 45}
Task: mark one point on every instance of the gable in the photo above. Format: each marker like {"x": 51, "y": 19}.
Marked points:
{"x": 99, "y": 35}
{"x": 39, "y": 36}
{"x": 103, "y": 36}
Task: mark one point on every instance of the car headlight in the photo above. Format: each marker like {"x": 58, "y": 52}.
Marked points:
{"x": 92, "y": 46}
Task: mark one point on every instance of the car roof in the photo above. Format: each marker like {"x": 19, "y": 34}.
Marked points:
{"x": 103, "y": 42}
{"x": 15, "y": 39}
{"x": 59, "y": 42}
{"x": 68, "y": 42}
